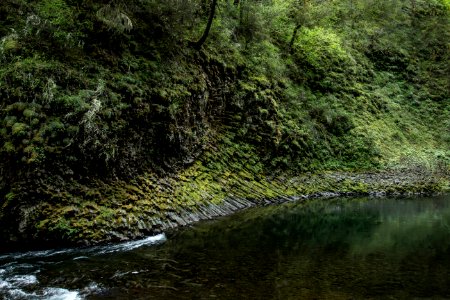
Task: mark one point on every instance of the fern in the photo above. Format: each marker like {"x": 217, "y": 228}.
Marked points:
{"x": 114, "y": 18}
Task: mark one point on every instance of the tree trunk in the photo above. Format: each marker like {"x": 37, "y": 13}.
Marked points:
{"x": 294, "y": 35}
{"x": 197, "y": 45}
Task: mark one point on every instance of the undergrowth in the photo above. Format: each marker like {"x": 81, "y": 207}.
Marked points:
{"x": 112, "y": 90}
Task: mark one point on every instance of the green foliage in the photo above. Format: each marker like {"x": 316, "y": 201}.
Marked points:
{"x": 113, "y": 89}
{"x": 324, "y": 60}
{"x": 322, "y": 49}
{"x": 9, "y": 44}
{"x": 56, "y": 12}
{"x": 106, "y": 105}
{"x": 114, "y": 18}
{"x": 62, "y": 228}
{"x": 10, "y": 197}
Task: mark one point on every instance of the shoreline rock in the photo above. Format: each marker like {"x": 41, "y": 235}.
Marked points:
{"x": 148, "y": 208}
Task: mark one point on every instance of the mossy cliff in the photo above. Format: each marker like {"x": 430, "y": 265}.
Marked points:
{"x": 116, "y": 123}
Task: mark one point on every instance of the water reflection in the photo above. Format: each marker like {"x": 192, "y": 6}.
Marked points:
{"x": 357, "y": 248}
{"x": 320, "y": 249}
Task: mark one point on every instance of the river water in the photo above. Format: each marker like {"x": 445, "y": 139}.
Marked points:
{"x": 345, "y": 248}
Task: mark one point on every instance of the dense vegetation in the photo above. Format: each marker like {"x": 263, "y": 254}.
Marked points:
{"x": 94, "y": 92}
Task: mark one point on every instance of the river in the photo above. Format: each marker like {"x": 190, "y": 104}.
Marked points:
{"x": 342, "y": 248}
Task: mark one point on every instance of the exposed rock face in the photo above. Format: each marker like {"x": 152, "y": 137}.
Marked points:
{"x": 112, "y": 126}
{"x": 152, "y": 205}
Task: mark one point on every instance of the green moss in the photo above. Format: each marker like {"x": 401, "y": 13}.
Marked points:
{"x": 29, "y": 113}
{"x": 63, "y": 228}
{"x": 19, "y": 129}
{"x": 8, "y": 147}
{"x": 133, "y": 123}
{"x": 57, "y": 12}
{"x": 9, "y": 44}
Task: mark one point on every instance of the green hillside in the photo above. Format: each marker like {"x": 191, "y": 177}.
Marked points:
{"x": 121, "y": 118}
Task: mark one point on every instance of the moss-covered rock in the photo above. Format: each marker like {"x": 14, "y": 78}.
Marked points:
{"x": 113, "y": 126}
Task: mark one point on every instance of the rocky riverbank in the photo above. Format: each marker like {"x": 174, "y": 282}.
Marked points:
{"x": 117, "y": 211}
{"x": 117, "y": 124}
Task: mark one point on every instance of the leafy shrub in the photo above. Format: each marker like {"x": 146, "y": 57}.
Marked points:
{"x": 56, "y": 12}
{"x": 324, "y": 60}
{"x": 322, "y": 49}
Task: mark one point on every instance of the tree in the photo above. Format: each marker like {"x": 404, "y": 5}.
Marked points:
{"x": 302, "y": 15}
{"x": 197, "y": 45}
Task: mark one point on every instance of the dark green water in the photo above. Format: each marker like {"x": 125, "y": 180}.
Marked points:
{"x": 359, "y": 248}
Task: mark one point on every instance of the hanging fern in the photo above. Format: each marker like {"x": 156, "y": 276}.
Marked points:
{"x": 114, "y": 18}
